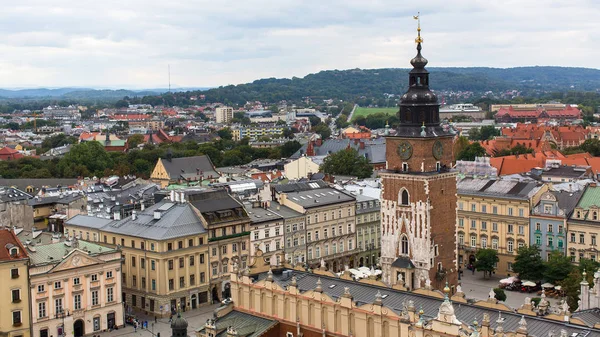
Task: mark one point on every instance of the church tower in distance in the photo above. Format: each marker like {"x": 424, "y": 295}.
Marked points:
{"x": 418, "y": 198}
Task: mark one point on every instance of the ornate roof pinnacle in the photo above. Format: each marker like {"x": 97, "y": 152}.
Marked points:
{"x": 417, "y": 17}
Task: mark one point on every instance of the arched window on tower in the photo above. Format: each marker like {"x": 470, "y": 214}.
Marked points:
{"x": 404, "y": 197}
{"x": 404, "y": 245}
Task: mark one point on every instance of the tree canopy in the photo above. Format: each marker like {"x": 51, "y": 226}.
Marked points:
{"x": 483, "y": 133}
{"x": 529, "y": 264}
{"x": 486, "y": 260}
{"x": 347, "y": 162}
{"x": 558, "y": 267}
{"x": 471, "y": 151}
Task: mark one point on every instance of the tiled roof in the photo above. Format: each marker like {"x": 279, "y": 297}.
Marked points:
{"x": 365, "y": 293}
{"x": 54, "y": 253}
{"x": 176, "y": 220}
{"x": 8, "y": 239}
{"x": 246, "y": 325}
{"x": 590, "y": 317}
{"x": 192, "y": 167}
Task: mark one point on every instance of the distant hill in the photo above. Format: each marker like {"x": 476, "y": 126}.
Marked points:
{"x": 84, "y": 93}
{"x": 353, "y": 83}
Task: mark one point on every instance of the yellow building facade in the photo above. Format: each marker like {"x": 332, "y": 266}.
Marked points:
{"x": 165, "y": 255}
{"x": 494, "y": 218}
{"x": 15, "y": 320}
{"x": 583, "y": 230}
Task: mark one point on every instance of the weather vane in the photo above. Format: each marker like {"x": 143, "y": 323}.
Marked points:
{"x": 418, "y": 18}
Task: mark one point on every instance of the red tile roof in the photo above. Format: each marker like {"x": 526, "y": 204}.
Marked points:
{"x": 8, "y": 239}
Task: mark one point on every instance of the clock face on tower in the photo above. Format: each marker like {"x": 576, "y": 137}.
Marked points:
{"x": 438, "y": 150}
{"x": 405, "y": 150}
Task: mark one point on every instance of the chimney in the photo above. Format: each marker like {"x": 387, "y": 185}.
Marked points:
{"x": 172, "y": 196}
{"x": 176, "y": 197}
{"x": 117, "y": 215}
{"x": 142, "y": 206}
{"x": 157, "y": 215}
{"x": 134, "y": 215}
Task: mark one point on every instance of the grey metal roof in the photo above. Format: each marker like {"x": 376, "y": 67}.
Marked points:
{"x": 300, "y": 186}
{"x": 364, "y": 200}
{"x": 176, "y": 221}
{"x": 8, "y": 194}
{"x": 566, "y": 200}
{"x": 500, "y": 188}
{"x": 190, "y": 167}
{"x": 38, "y": 183}
{"x": 466, "y": 313}
{"x": 319, "y": 197}
{"x": 54, "y": 253}
{"x": 590, "y": 317}
{"x": 88, "y": 221}
{"x": 63, "y": 198}
{"x": 403, "y": 262}
{"x": 374, "y": 149}
{"x": 245, "y": 324}
{"x": 259, "y": 214}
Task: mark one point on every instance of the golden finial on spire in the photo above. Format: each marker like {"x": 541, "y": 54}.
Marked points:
{"x": 418, "y": 18}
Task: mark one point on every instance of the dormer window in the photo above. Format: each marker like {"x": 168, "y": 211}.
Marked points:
{"x": 14, "y": 252}
{"x": 578, "y": 214}
{"x": 594, "y": 215}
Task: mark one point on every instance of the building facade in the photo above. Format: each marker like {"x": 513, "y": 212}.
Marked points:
{"x": 266, "y": 232}
{"x": 368, "y": 230}
{"x": 224, "y": 114}
{"x": 15, "y": 319}
{"x": 228, "y": 227}
{"x": 548, "y": 221}
{"x": 165, "y": 254}
{"x": 75, "y": 288}
{"x": 258, "y": 131}
{"x": 418, "y": 198}
{"x": 583, "y": 228}
{"x": 495, "y": 214}
{"x": 330, "y": 222}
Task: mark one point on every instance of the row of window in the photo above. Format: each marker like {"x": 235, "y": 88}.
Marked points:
{"x": 335, "y": 248}
{"x": 224, "y": 248}
{"x": 192, "y": 281}
{"x": 171, "y": 263}
{"x": 510, "y": 228}
{"x": 368, "y": 244}
{"x": 365, "y": 205}
{"x": 225, "y": 267}
{"x": 77, "y": 303}
{"x": 549, "y": 241}
{"x": 484, "y": 242}
{"x": 367, "y": 217}
{"x": 484, "y": 209}
{"x": 326, "y": 233}
{"x": 323, "y": 215}
{"x": 224, "y": 232}
{"x": 593, "y": 240}
{"x": 371, "y": 229}
{"x": 76, "y": 281}
{"x": 141, "y": 244}
{"x": 549, "y": 227}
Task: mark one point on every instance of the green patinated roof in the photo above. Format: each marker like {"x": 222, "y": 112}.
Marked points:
{"x": 55, "y": 252}
{"x": 591, "y": 197}
{"x": 246, "y": 325}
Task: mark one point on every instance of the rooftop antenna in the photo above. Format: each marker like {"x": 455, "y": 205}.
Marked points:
{"x": 169, "y": 78}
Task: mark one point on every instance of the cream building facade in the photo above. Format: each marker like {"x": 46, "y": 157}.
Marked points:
{"x": 368, "y": 233}
{"x": 494, "y": 214}
{"x": 299, "y": 168}
{"x": 75, "y": 288}
{"x": 330, "y": 222}
{"x": 165, "y": 254}
{"x": 224, "y": 114}
{"x": 583, "y": 230}
{"x": 15, "y": 320}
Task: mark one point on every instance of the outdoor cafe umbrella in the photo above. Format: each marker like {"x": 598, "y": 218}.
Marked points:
{"x": 547, "y": 285}
{"x": 528, "y": 284}
{"x": 558, "y": 287}
{"x": 509, "y": 280}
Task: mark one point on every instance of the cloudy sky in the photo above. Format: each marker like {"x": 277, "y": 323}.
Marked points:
{"x": 130, "y": 43}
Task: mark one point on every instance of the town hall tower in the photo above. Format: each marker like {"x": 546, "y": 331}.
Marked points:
{"x": 418, "y": 198}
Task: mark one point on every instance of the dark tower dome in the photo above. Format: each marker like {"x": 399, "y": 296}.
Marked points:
{"x": 179, "y": 326}
{"x": 419, "y": 113}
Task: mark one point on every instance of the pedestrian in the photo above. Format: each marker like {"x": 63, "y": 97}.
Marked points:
{"x": 155, "y": 319}
{"x": 473, "y": 270}
{"x": 171, "y": 318}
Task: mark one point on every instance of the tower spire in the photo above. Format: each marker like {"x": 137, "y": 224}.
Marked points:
{"x": 417, "y": 17}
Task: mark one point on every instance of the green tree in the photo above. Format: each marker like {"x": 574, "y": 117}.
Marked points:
{"x": 528, "y": 263}
{"x": 289, "y": 148}
{"x": 347, "y": 162}
{"x": 558, "y": 267}
{"x": 589, "y": 266}
{"x": 135, "y": 140}
{"x": 499, "y": 294}
{"x": 225, "y": 133}
{"x": 342, "y": 121}
{"x": 84, "y": 159}
{"x": 323, "y": 130}
{"x": 570, "y": 286}
{"x": 484, "y": 133}
{"x": 460, "y": 144}
{"x": 471, "y": 151}
{"x": 486, "y": 260}
{"x": 288, "y": 133}
{"x": 592, "y": 146}
{"x": 56, "y": 141}
{"x": 518, "y": 149}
